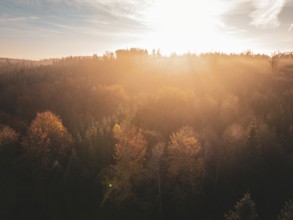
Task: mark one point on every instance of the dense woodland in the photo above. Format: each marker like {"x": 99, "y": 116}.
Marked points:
{"x": 132, "y": 135}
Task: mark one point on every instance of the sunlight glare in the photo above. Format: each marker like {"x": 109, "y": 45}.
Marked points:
{"x": 184, "y": 25}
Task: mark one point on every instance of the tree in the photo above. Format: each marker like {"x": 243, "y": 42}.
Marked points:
{"x": 154, "y": 165}
{"x": 7, "y": 136}
{"x": 8, "y": 146}
{"x": 47, "y": 147}
{"x": 9, "y": 172}
{"x": 287, "y": 211}
{"x": 183, "y": 155}
{"x": 48, "y": 141}
{"x": 185, "y": 167}
{"x": 243, "y": 210}
{"x": 123, "y": 178}
{"x": 274, "y": 62}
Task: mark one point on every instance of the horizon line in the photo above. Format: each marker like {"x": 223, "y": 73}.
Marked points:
{"x": 166, "y": 55}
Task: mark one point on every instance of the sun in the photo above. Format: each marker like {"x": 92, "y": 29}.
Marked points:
{"x": 184, "y": 25}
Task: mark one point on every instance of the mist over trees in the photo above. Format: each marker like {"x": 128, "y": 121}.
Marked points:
{"x": 132, "y": 135}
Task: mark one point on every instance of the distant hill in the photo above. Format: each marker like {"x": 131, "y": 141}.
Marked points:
{"x": 8, "y": 61}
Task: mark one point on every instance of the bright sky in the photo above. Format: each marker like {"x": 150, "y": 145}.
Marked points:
{"x": 36, "y": 29}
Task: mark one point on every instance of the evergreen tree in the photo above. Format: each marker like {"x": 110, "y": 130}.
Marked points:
{"x": 243, "y": 210}
{"x": 287, "y": 211}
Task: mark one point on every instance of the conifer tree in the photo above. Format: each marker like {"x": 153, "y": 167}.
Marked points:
{"x": 244, "y": 209}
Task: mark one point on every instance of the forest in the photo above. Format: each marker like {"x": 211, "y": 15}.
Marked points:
{"x": 138, "y": 135}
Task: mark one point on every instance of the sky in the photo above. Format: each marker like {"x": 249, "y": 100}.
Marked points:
{"x": 39, "y": 29}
